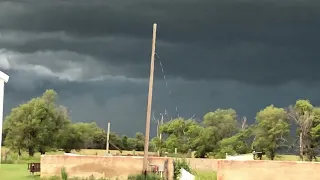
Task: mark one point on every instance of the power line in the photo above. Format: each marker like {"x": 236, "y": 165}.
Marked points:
{"x": 166, "y": 85}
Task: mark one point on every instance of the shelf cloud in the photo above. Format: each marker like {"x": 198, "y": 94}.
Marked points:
{"x": 242, "y": 54}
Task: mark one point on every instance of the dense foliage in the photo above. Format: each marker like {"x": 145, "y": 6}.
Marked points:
{"x": 41, "y": 125}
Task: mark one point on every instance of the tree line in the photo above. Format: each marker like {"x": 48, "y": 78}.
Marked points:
{"x": 295, "y": 129}
{"x": 41, "y": 125}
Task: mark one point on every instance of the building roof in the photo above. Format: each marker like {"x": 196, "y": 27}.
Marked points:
{"x": 4, "y": 77}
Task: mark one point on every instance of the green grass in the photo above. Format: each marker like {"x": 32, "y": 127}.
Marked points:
{"x": 20, "y": 172}
{"x": 288, "y": 158}
{"x": 206, "y": 175}
{"x": 16, "y": 172}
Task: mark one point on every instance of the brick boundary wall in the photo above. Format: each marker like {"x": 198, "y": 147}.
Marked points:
{"x": 103, "y": 166}
{"x": 268, "y": 170}
{"x": 122, "y": 166}
{"x": 98, "y": 166}
{"x": 203, "y": 164}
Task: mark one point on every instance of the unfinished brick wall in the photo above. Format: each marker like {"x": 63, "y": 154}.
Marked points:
{"x": 97, "y": 166}
{"x": 268, "y": 170}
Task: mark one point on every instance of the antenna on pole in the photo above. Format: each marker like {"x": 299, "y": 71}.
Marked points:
{"x": 177, "y": 112}
{"x": 243, "y": 123}
{"x": 149, "y": 105}
{"x": 161, "y": 123}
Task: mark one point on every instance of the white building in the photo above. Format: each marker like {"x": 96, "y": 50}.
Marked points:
{"x": 3, "y": 79}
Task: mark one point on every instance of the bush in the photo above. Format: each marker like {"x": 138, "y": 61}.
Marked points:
{"x": 8, "y": 161}
{"x": 178, "y": 164}
{"x": 143, "y": 177}
{"x": 64, "y": 174}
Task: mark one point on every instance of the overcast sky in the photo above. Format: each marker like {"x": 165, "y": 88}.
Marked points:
{"x": 241, "y": 54}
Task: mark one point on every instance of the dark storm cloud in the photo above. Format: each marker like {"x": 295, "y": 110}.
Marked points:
{"x": 24, "y": 84}
{"x": 259, "y": 42}
{"x": 95, "y": 54}
{"x": 181, "y": 20}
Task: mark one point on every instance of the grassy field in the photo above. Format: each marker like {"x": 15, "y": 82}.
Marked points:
{"x": 16, "y": 172}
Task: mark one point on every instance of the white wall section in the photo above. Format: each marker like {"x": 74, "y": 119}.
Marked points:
{"x": 3, "y": 79}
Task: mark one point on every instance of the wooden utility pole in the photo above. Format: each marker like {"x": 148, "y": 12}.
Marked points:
{"x": 147, "y": 134}
{"x": 108, "y": 135}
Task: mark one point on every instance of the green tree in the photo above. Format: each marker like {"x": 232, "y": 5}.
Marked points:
{"x": 157, "y": 144}
{"x": 70, "y": 138}
{"x": 303, "y": 106}
{"x": 90, "y": 131}
{"x": 139, "y": 141}
{"x": 224, "y": 121}
{"x": 99, "y": 139}
{"x": 115, "y": 142}
{"x": 218, "y": 125}
{"x": 206, "y": 141}
{"x": 125, "y": 143}
{"x": 302, "y": 114}
{"x": 132, "y": 143}
{"x": 271, "y": 130}
{"x": 315, "y": 135}
{"x": 35, "y": 125}
{"x": 239, "y": 143}
{"x": 179, "y": 133}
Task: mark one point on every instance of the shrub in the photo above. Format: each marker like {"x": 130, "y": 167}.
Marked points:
{"x": 7, "y": 161}
{"x": 64, "y": 174}
{"x": 178, "y": 164}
